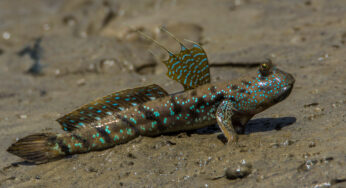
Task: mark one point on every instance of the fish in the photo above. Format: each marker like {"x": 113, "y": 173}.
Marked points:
{"x": 150, "y": 110}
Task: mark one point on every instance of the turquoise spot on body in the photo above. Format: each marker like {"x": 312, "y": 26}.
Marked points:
{"x": 153, "y": 124}
{"x": 78, "y": 144}
{"x": 116, "y": 137}
{"x": 107, "y": 129}
{"x": 129, "y": 131}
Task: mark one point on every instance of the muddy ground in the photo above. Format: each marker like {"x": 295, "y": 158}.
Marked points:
{"x": 58, "y": 55}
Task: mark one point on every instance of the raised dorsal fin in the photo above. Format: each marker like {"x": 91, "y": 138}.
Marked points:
{"x": 189, "y": 67}
{"x": 87, "y": 114}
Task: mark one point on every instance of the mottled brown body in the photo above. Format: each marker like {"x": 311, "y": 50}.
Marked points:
{"x": 150, "y": 111}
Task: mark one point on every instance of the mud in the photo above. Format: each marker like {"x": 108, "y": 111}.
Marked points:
{"x": 58, "y": 55}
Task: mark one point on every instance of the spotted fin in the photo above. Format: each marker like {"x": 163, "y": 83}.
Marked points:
{"x": 108, "y": 105}
{"x": 189, "y": 67}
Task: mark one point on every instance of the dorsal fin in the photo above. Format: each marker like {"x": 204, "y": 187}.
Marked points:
{"x": 189, "y": 67}
{"x": 108, "y": 105}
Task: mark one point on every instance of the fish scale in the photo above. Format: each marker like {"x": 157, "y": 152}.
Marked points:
{"x": 150, "y": 111}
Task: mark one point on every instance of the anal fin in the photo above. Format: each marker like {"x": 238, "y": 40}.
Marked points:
{"x": 85, "y": 115}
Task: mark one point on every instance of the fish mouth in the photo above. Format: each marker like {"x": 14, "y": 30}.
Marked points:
{"x": 286, "y": 91}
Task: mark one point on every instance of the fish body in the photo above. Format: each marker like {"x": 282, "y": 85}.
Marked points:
{"x": 150, "y": 111}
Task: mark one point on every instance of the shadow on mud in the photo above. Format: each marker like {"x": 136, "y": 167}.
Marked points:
{"x": 255, "y": 125}
{"x": 268, "y": 124}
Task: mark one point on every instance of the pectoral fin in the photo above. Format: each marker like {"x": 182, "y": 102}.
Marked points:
{"x": 224, "y": 115}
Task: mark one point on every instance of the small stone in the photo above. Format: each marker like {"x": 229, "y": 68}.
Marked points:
{"x": 307, "y": 165}
{"x": 81, "y": 82}
{"x": 69, "y": 20}
{"x": 242, "y": 171}
{"x": 318, "y": 110}
{"x": 288, "y": 142}
{"x": 311, "y": 118}
{"x": 108, "y": 62}
{"x": 297, "y": 39}
{"x": 23, "y": 116}
{"x": 57, "y": 72}
{"x": 6, "y": 35}
{"x": 106, "y": 65}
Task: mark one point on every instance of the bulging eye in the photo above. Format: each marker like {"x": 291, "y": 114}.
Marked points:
{"x": 265, "y": 68}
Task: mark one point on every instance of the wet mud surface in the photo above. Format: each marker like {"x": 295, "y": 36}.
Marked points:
{"x": 58, "y": 55}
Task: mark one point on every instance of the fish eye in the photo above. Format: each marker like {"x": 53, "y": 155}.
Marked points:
{"x": 266, "y": 67}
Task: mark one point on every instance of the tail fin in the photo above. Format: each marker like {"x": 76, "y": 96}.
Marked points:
{"x": 45, "y": 147}
{"x": 38, "y": 148}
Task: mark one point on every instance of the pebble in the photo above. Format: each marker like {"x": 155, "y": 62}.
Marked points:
{"x": 23, "y": 116}
{"x": 318, "y": 109}
{"x": 307, "y": 165}
{"x": 241, "y": 171}
{"x": 57, "y": 72}
{"x": 287, "y": 143}
{"x": 81, "y": 82}
{"x": 6, "y": 35}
